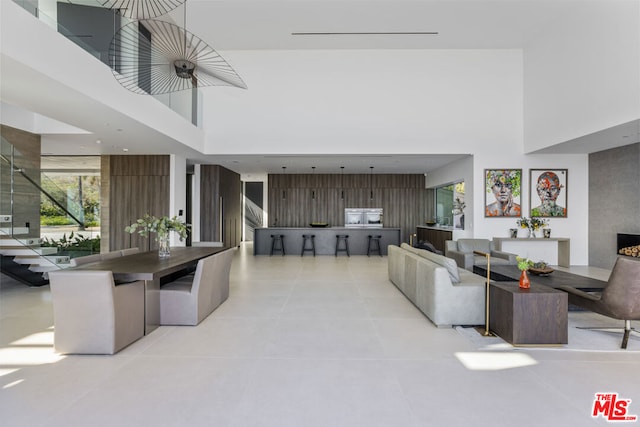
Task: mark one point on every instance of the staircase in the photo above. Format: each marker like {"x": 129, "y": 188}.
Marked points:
{"x": 26, "y": 261}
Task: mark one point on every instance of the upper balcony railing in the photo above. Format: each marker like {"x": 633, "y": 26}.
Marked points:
{"x": 46, "y": 11}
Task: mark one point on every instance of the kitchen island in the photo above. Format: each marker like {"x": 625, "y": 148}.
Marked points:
{"x": 325, "y": 240}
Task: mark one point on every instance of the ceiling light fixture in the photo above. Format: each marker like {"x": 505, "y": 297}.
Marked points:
{"x": 342, "y": 182}
{"x": 371, "y": 182}
{"x": 368, "y": 33}
{"x": 284, "y": 172}
{"x": 156, "y": 57}
{"x": 141, "y": 9}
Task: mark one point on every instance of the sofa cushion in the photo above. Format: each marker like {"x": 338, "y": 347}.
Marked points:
{"x": 442, "y": 261}
{"x": 470, "y": 245}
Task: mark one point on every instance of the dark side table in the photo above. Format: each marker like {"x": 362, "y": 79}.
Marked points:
{"x": 534, "y": 316}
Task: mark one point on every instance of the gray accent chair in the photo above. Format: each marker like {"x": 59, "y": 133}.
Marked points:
{"x": 462, "y": 250}
{"x": 190, "y": 299}
{"x": 92, "y": 315}
{"x": 620, "y": 298}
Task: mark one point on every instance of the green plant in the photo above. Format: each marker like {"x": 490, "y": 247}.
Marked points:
{"x": 540, "y": 264}
{"x": 161, "y": 226}
{"x": 537, "y": 223}
{"x": 75, "y": 241}
{"x": 524, "y": 263}
{"x": 55, "y": 220}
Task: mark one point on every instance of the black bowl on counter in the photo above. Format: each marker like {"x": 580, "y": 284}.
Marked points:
{"x": 318, "y": 224}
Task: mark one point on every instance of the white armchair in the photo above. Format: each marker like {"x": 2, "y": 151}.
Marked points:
{"x": 92, "y": 315}
{"x": 462, "y": 250}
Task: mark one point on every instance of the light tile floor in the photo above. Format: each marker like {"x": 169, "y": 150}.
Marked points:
{"x": 321, "y": 341}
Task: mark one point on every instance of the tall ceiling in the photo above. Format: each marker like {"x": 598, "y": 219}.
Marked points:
{"x": 229, "y": 25}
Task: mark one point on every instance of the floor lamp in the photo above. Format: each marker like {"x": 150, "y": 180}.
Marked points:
{"x": 487, "y": 333}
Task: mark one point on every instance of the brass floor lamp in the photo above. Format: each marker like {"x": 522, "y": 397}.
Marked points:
{"x": 487, "y": 333}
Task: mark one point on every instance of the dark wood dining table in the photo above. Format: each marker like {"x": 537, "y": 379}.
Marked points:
{"x": 148, "y": 266}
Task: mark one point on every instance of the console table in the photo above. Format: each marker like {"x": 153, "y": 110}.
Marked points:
{"x": 534, "y": 316}
{"x": 520, "y": 245}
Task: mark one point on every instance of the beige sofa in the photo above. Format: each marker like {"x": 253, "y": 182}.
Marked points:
{"x": 446, "y": 294}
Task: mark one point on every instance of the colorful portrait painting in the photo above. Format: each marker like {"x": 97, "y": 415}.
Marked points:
{"x": 548, "y": 195}
{"x": 502, "y": 192}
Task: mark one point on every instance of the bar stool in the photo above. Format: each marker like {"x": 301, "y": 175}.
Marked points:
{"x": 375, "y": 240}
{"x": 342, "y": 238}
{"x": 311, "y": 238}
{"x": 277, "y": 243}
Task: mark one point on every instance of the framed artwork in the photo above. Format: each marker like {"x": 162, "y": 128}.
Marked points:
{"x": 548, "y": 194}
{"x": 502, "y": 193}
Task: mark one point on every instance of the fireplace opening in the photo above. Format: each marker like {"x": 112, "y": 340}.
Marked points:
{"x": 629, "y": 245}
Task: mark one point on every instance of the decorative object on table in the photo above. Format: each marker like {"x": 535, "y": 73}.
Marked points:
{"x": 546, "y": 233}
{"x": 536, "y": 225}
{"x": 524, "y": 226}
{"x": 523, "y": 265}
{"x": 505, "y": 185}
{"x": 162, "y": 227}
{"x": 458, "y": 213}
{"x": 513, "y": 232}
{"x": 550, "y": 186}
{"x": 532, "y": 226}
{"x": 318, "y": 224}
{"x": 431, "y": 223}
{"x": 540, "y": 268}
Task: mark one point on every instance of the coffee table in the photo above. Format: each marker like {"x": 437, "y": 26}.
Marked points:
{"x": 509, "y": 273}
{"x": 534, "y": 316}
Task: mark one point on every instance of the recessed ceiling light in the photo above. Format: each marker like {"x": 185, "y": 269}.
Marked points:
{"x": 367, "y": 33}
{"x": 98, "y": 141}
{"x": 125, "y": 150}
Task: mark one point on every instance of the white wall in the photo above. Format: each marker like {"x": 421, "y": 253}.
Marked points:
{"x": 476, "y": 225}
{"x": 582, "y": 74}
{"x": 367, "y": 101}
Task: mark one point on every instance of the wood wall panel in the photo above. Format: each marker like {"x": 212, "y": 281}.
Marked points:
{"x": 136, "y": 185}
{"x": 217, "y": 182}
{"x": 402, "y": 197}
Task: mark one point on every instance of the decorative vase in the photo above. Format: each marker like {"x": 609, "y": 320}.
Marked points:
{"x": 164, "y": 250}
{"x": 525, "y": 283}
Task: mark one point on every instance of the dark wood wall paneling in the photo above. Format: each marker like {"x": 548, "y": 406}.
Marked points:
{"x": 292, "y": 202}
{"x": 26, "y": 197}
{"x": 218, "y": 183}
{"x": 136, "y": 185}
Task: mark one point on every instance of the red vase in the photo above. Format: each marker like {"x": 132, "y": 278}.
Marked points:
{"x": 525, "y": 283}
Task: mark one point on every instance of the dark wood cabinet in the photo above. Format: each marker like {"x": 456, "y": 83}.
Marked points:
{"x": 220, "y": 205}
{"x": 436, "y": 237}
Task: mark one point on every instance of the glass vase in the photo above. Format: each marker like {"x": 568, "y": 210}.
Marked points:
{"x": 164, "y": 250}
{"x": 525, "y": 283}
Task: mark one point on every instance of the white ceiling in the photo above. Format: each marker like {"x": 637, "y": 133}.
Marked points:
{"x": 267, "y": 24}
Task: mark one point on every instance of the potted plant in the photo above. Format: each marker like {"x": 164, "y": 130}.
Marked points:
{"x": 536, "y": 224}
{"x": 524, "y": 224}
{"x": 161, "y": 226}
{"x": 523, "y": 265}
